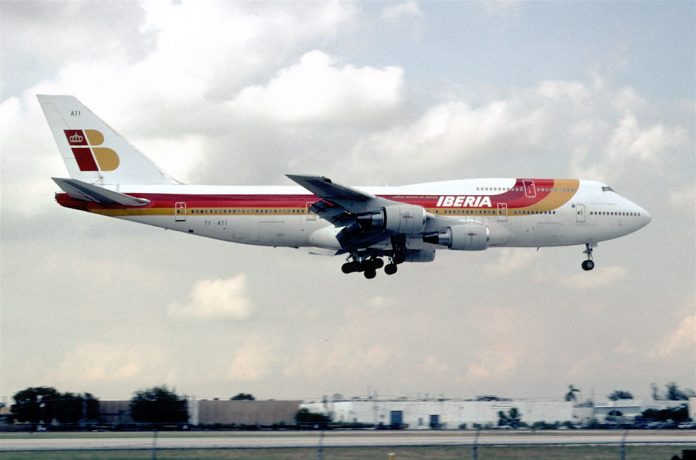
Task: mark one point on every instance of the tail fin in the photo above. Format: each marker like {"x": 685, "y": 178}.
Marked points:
{"x": 92, "y": 151}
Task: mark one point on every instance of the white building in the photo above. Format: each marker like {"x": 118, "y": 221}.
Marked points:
{"x": 445, "y": 414}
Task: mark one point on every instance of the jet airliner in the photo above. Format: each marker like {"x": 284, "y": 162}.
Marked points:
{"x": 373, "y": 227}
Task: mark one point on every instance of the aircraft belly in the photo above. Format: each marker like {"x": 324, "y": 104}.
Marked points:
{"x": 255, "y": 230}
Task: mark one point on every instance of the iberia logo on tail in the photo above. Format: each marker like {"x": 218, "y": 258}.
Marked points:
{"x": 89, "y": 156}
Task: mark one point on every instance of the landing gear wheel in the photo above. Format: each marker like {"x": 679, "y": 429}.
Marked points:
{"x": 348, "y": 267}
{"x": 589, "y": 263}
{"x": 377, "y": 263}
{"x": 370, "y": 273}
{"x": 390, "y": 269}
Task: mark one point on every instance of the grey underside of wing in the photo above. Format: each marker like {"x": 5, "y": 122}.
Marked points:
{"x": 338, "y": 202}
{"x": 340, "y": 205}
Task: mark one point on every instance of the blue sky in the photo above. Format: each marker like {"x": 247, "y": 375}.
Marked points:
{"x": 505, "y": 44}
{"x": 365, "y": 93}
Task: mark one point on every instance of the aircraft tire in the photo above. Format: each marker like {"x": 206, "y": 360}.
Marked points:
{"x": 390, "y": 269}
{"x": 377, "y": 263}
{"x": 348, "y": 267}
{"x": 370, "y": 273}
{"x": 587, "y": 265}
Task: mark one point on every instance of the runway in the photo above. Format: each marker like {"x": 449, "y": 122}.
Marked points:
{"x": 266, "y": 440}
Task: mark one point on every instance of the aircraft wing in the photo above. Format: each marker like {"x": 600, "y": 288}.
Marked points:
{"x": 338, "y": 202}
{"x": 356, "y": 212}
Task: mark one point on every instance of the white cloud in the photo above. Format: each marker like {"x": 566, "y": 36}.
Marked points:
{"x": 600, "y": 276}
{"x": 629, "y": 140}
{"x": 504, "y": 347}
{"x": 494, "y": 364}
{"x": 680, "y": 340}
{"x": 511, "y": 260}
{"x": 683, "y": 198}
{"x": 339, "y": 360}
{"x": 448, "y": 134}
{"x": 29, "y": 157}
{"x": 380, "y": 302}
{"x": 590, "y": 130}
{"x": 215, "y": 299}
{"x": 318, "y": 89}
{"x": 175, "y": 156}
{"x": 252, "y": 361}
{"x": 573, "y": 91}
{"x": 101, "y": 363}
{"x": 434, "y": 365}
{"x": 398, "y": 11}
{"x": 164, "y": 73}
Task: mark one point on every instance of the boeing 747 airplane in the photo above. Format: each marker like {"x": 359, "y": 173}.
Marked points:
{"x": 373, "y": 227}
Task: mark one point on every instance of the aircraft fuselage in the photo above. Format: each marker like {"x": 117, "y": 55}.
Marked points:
{"x": 518, "y": 212}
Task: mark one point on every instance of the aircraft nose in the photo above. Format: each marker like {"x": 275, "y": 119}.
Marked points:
{"x": 645, "y": 217}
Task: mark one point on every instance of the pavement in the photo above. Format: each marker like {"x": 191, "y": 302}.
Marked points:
{"x": 310, "y": 439}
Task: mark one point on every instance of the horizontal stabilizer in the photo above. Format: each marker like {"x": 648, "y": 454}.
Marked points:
{"x": 90, "y": 192}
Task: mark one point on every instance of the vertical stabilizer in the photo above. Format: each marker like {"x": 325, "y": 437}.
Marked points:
{"x": 92, "y": 151}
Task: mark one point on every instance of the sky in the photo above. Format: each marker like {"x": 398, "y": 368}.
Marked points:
{"x": 367, "y": 93}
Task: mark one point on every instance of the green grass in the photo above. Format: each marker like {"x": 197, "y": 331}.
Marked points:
{"x": 381, "y": 453}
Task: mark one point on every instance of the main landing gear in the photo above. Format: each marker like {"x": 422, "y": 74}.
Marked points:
{"x": 588, "y": 264}
{"x": 369, "y": 265}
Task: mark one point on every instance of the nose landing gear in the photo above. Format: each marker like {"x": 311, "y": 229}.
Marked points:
{"x": 588, "y": 264}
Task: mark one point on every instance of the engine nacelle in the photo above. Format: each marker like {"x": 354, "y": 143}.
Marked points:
{"x": 404, "y": 219}
{"x": 469, "y": 236}
{"x": 397, "y": 219}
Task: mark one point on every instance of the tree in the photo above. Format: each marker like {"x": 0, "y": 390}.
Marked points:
{"x": 158, "y": 406}
{"x": 73, "y": 408}
{"x": 46, "y": 404}
{"x": 620, "y": 394}
{"x": 305, "y": 417}
{"x": 35, "y": 404}
{"x": 675, "y": 414}
{"x": 570, "y": 395}
{"x": 655, "y": 392}
{"x": 674, "y": 393}
{"x": 513, "y": 418}
{"x": 243, "y": 397}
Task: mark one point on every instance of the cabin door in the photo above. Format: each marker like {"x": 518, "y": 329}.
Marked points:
{"x": 579, "y": 213}
{"x": 180, "y": 212}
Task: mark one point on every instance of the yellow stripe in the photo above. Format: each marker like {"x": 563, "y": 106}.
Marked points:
{"x": 552, "y": 201}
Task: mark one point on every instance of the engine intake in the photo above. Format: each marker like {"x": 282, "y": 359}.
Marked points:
{"x": 465, "y": 237}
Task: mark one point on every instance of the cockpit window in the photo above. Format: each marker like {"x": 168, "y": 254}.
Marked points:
{"x": 607, "y": 189}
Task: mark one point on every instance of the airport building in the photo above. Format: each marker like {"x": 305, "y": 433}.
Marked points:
{"x": 427, "y": 413}
{"x": 249, "y": 413}
{"x": 444, "y": 413}
{"x": 214, "y": 412}
{"x": 114, "y": 413}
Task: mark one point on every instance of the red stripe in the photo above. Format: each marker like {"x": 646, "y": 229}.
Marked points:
{"x": 84, "y": 159}
{"x": 515, "y": 198}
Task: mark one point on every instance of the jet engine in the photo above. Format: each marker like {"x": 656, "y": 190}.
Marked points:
{"x": 397, "y": 219}
{"x": 470, "y": 236}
